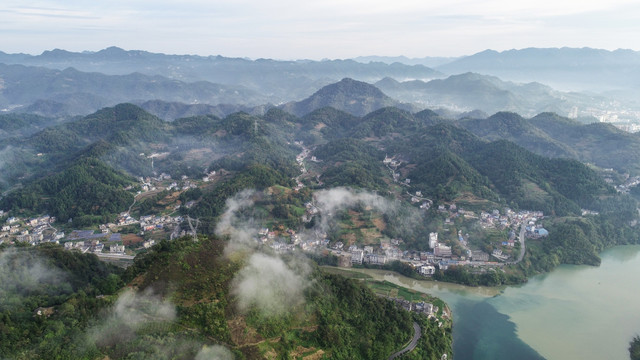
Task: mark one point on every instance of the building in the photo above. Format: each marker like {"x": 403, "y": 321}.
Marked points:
{"x": 427, "y": 270}
{"x": 442, "y": 250}
{"x": 433, "y": 240}
{"x": 541, "y": 232}
{"x": 147, "y": 244}
{"x": 116, "y": 248}
{"x": 376, "y": 259}
{"x": 357, "y": 256}
{"x": 479, "y": 255}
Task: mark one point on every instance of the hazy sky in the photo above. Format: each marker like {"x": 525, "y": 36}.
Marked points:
{"x": 288, "y": 29}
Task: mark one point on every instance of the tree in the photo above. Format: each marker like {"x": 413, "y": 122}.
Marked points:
{"x": 634, "y": 348}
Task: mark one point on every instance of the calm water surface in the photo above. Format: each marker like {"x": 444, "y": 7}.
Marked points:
{"x": 574, "y": 312}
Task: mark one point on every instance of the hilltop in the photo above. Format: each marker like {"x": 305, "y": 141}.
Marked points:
{"x": 355, "y": 97}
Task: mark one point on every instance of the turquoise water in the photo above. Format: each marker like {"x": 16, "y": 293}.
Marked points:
{"x": 574, "y": 312}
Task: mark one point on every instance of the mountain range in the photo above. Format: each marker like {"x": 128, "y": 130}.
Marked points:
{"x": 230, "y": 149}
{"x": 472, "y": 91}
{"x": 577, "y": 69}
{"x": 58, "y": 82}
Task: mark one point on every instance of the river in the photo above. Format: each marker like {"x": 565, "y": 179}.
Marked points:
{"x": 574, "y": 312}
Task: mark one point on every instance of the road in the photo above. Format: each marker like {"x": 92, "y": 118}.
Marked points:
{"x": 522, "y": 245}
{"x": 417, "y": 333}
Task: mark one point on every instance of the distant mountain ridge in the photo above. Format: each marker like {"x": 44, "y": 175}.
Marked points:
{"x": 174, "y": 110}
{"x": 270, "y": 77}
{"x": 78, "y": 93}
{"x": 59, "y": 83}
{"x": 563, "y": 68}
{"x": 472, "y": 91}
{"x": 429, "y": 61}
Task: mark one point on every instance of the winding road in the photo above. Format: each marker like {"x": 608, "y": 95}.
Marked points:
{"x": 417, "y": 333}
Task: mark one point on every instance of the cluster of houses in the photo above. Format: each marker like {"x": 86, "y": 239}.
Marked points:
{"x": 153, "y": 183}
{"x": 425, "y": 203}
{"x": 366, "y": 255}
{"x": 209, "y": 176}
{"x": 392, "y": 164}
{"x": 441, "y": 257}
{"x": 186, "y": 184}
{"x": 300, "y": 158}
{"x": 89, "y": 241}
{"x": 94, "y": 246}
{"x": 418, "y": 307}
{"x": 147, "y": 222}
{"x": 424, "y": 262}
{"x": 152, "y": 222}
{"x": 40, "y": 230}
{"x": 629, "y": 183}
{"x": 509, "y": 218}
{"x": 33, "y": 231}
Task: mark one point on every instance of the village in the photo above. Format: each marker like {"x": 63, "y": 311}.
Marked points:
{"x": 518, "y": 225}
{"x": 122, "y": 238}
{"x": 127, "y": 235}
{"x": 441, "y": 256}
{"x": 108, "y": 241}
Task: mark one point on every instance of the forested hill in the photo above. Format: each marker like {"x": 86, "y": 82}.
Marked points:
{"x": 129, "y": 139}
{"x": 88, "y": 192}
{"x": 355, "y": 97}
{"x": 185, "y": 299}
{"x": 551, "y": 135}
{"x": 71, "y": 92}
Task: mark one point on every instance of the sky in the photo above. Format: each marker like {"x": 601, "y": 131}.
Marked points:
{"x": 310, "y": 29}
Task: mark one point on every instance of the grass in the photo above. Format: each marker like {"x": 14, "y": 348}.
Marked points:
{"x": 386, "y": 288}
{"x": 534, "y": 192}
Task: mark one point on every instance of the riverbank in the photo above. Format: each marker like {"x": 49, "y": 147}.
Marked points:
{"x": 573, "y": 312}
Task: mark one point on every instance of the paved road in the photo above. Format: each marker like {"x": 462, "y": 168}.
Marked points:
{"x": 522, "y": 245}
{"x": 417, "y": 333}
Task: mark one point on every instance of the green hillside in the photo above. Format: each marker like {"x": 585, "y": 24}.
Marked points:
{"x": 87, "y": 191}
{"x": 550, "y": 135}
{"x": 81, "y": 172}
{"x": 48, "y": 298}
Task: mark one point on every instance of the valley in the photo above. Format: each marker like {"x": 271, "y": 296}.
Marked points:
{"x": 194, "y": 212}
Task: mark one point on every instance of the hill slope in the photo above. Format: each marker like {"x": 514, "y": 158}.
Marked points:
{"x": 472, "y": 91}
{"x": 551, "y": 135}
{"x": 355, "y": 97}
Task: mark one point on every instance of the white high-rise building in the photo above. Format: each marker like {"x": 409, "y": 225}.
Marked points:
{"x": 433, "y": 240}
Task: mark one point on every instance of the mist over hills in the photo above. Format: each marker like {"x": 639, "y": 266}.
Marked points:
{"x": 293, "y": 133}
{"x": 175, "y": 110}
{"x": 81, "y": 92}
{"x": 429, "y": 61}
{"x": 472, "y": 91}
{"x": 565, "y": 68}
{"x": 275, "y": 78}
{"x": 60, "y": 83}
{"x": 85, "y": 171}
